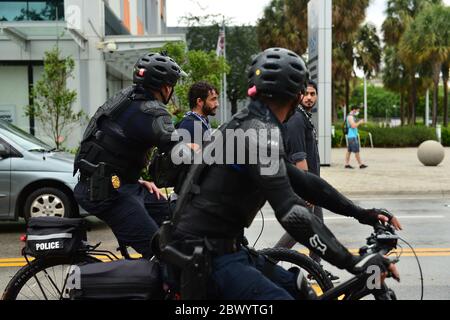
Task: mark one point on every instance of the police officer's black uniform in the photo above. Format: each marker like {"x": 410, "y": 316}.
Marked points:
{"x": 224, "y": 199}
{"x": 120, "y": 136}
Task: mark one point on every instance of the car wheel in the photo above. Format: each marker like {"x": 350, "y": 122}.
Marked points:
{"x": 48, "y": 202}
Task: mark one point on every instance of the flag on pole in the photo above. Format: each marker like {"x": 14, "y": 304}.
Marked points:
{"x": 220, "y": 49}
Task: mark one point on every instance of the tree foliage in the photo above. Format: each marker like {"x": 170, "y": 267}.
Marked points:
{"x": 52, "y": 100}
{"x": 200, "y": 66}
{"x": 285, "y": 24}
{"x": 427, "y": 40}
{"x": 367, "y": 49}
{"x": 241, "y": 44}
{"x": 399, "y": 15}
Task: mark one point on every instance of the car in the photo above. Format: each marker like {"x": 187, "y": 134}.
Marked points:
{"x": 35, "y": 179}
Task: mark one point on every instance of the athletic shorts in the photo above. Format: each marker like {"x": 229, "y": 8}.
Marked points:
{"x": 353, "y": 145}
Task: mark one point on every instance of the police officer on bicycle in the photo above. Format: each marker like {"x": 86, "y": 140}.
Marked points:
{"x": 217, "y": 201}
{"x": 115, "y": 149}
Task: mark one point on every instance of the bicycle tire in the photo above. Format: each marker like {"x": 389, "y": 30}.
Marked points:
{"x": 303, "y": 262}
{"x": 29, "y": 273}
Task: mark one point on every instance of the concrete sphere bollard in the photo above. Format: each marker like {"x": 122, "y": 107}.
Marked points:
{"x": 430, "y": 153}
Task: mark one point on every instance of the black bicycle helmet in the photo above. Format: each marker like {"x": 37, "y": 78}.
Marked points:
{"x": 153, "y": 70}
{"x": 278, "y": 72}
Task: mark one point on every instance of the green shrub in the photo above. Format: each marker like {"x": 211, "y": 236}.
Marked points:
{"x": 445, "y": 136}
{"x": 337, "y": 141}
{"x": 380, "y": 101}
{"x": 406, "y": 136}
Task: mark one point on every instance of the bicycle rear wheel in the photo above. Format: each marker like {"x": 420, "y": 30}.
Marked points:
{"x": 43, "y": 279}
{"x": 288, "y": 258}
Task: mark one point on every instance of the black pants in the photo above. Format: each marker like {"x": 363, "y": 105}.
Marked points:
{"x": 133, "y": 214}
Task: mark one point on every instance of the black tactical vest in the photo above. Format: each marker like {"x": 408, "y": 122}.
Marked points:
{"x": 219, "y": 200}
{"x": 127, "y": 159}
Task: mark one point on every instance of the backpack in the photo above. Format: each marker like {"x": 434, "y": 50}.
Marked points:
{"x": 345, "y": 127}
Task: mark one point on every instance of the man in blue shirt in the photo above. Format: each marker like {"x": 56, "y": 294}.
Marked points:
{"x": 203, "y": 101}
{"x": 352, "y": 137}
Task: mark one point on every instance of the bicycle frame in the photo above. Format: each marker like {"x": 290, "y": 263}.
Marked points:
{"x": 356, "y": 287}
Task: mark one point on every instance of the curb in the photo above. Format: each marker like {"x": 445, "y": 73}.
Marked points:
{"x": 397, "y": 193}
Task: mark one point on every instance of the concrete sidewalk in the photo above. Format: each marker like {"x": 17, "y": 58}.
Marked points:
{"x": 391, "y": 172}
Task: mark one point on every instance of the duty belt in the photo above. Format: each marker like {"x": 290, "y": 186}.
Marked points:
{"x": 221, "y": 247}
{"x": 86, "y": 178}
{"x": 217, "y": 247}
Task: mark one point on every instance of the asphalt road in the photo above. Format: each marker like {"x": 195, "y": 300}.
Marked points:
{"x": 426, "y": 224}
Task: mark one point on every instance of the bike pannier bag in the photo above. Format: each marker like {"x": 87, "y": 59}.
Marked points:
{"x": 54, "y": 236}
{"x": 121, "y": 279}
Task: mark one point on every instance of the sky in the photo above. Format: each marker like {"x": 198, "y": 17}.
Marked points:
{"x": 247, "y": 11}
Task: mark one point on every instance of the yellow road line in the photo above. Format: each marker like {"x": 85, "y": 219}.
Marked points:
{"x": 405, "y": 250}
{"x": 16, "y": 264}
{"x": 421, "y": 252}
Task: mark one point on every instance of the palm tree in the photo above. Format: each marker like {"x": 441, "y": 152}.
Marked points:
{"x": 445, "y": 75}
{"x": 399, "y": 14}
{"x": 347, "y": 18}
{"x": 283, "y": 25}
{"x": 368, "y": 49}
{"x": 394, "y": 77}
{"x": 427, "y": 39}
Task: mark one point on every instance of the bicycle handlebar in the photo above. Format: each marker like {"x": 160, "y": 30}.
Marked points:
{"x": 382, "y": 240}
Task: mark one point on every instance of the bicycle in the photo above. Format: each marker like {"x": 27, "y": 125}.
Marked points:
{"x": 47, "y": 278}
{"x": 383, "y": 240}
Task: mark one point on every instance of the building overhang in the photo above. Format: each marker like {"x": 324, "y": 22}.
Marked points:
{"x": 122, "y": 52}
{"x": 22, "y": 32}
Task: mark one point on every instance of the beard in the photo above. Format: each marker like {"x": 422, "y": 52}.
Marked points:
{"x": 209, "y": 111}
{"x": 308, "y": 106}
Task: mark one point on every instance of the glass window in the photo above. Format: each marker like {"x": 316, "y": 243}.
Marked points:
{"x": 12, "y": 10}
{"x": 22, "y": 138}
{"x": 32, "y": 10}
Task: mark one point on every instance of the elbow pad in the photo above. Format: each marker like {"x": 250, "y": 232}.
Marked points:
{"x": 311, "y": 232}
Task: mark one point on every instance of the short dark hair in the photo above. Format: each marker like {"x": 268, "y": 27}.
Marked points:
{"x": 312, "y": 83}
{"x": 355, "y": 107}
{"x": 200, "y": 90}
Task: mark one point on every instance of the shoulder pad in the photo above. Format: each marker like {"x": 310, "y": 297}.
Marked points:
{"x": 241, "y": 115}
{"x": 154, "y": 108}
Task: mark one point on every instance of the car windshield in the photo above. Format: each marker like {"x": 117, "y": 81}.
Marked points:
{"x": 22, "y": 138}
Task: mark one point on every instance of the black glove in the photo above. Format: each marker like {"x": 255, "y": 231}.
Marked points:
{"x": 370, "y": 216}
{"x": 375, "y": 259}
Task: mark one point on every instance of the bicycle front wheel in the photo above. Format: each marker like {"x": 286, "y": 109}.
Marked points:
{"x": 43, "y": 279}
{"x": 288, "y": 258}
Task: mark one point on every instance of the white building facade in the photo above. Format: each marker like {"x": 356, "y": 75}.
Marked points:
{"x": 104, "y": 37}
